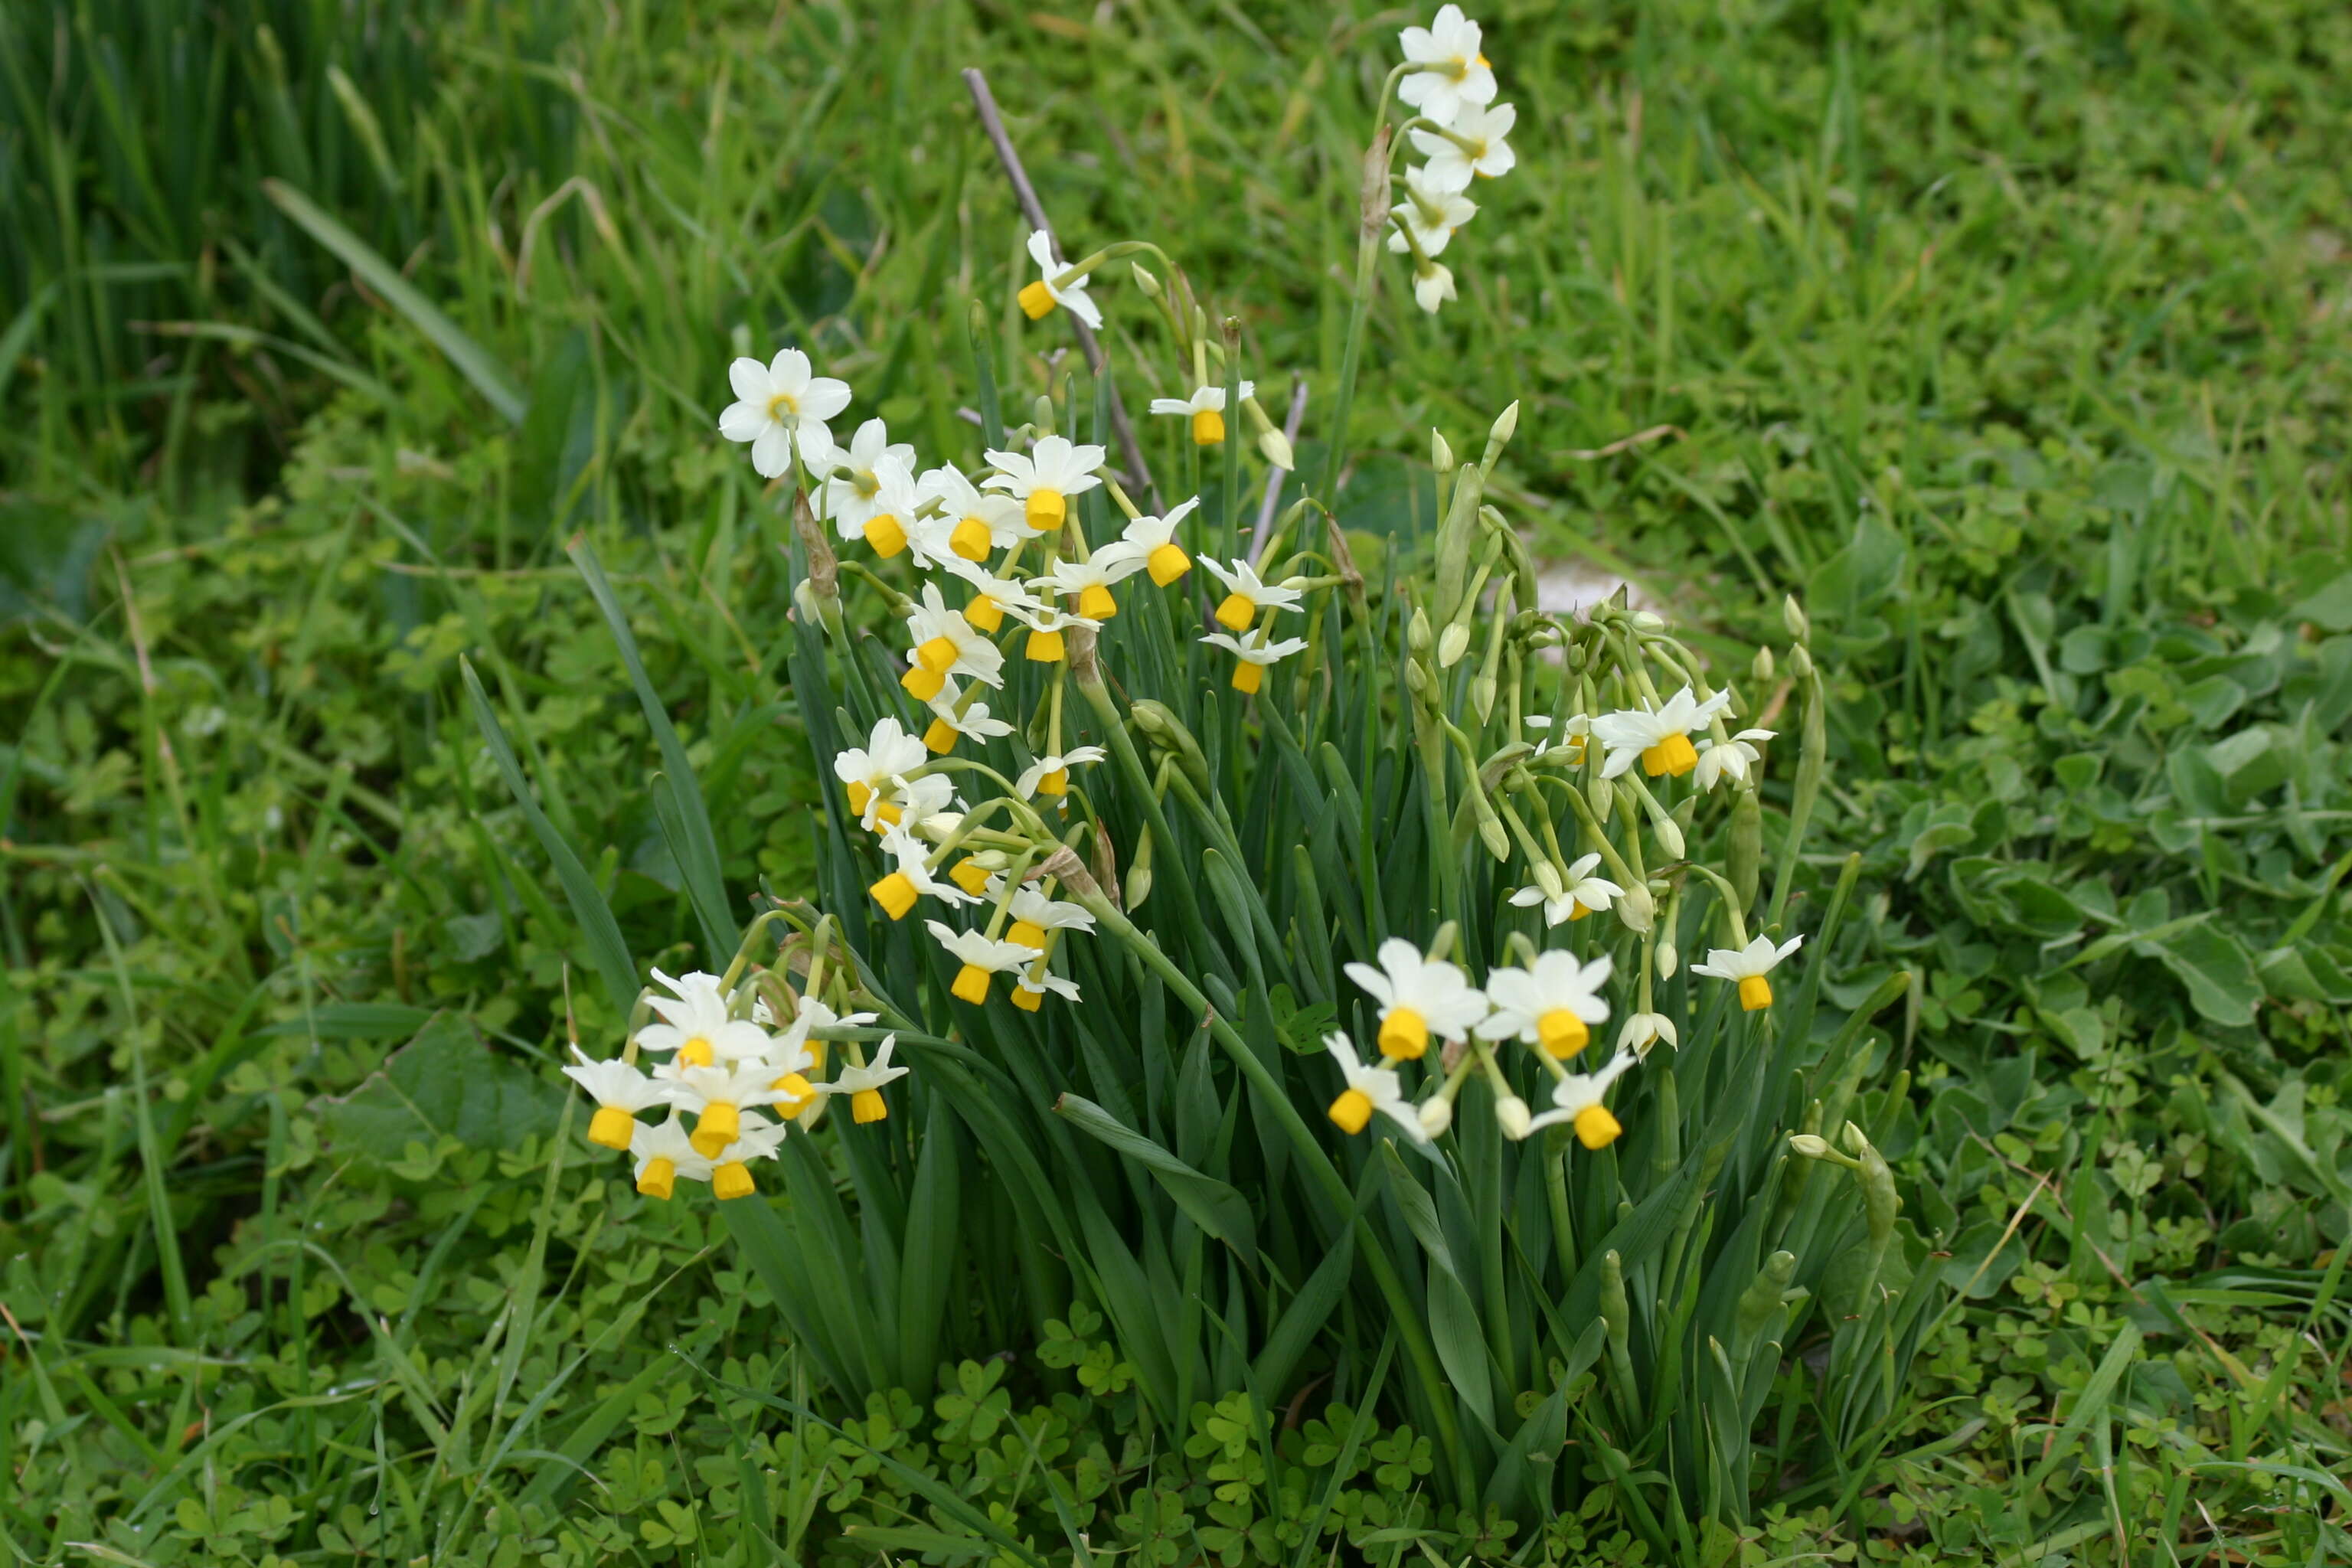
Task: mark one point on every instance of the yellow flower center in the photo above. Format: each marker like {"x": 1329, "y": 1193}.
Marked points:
{"x": 1674, "y": 755}
{"x": 936, "y": 653}
{"x": 1167, "y": 564}
{"x": 941, "y": 738}
{"x": 1576, "y": 911}
{"x": 1595, "y": 1128}
{"x": 797, "y": 1086}
{"x": 1054, "y": 781}
{"x": 886, "y": 535}
{"x": 1755, "y": 992}
{"x": 719, "y": 1126}
{"x": 971, "y": 985}
{"x": 1248, "y": 675}
{"x": 970, "y": 540}
{"x": 1044, "y": 509}
{"x": 657, "y": 1178}
{"x": 1027, "y": 934}
{"x": 868, "y": 1105}
{"x": 896, "y": 894}
{"x": 1351, "y": 1110}
{"x": 1208, "y": 427}
{"x": 612, "y": 1127}
{"x": 1026, "y": 1000}
{"x": 732, "y": 1180}
{"x": 1404, "y": 1034}
{"x": 1036, "y": 300}
{"x": 783, "y": 409}
{"x": 1095, "y": 602}
{"x": 922, "y": 684}
{"x": 1236, "y": 613}
{"x": 696, "y": 1052}
{"x": 970, "y": 876}
{"x": 1044, "y": 647}
{"x": 1563, "y": 1034}
{"x": 984, "y": 612}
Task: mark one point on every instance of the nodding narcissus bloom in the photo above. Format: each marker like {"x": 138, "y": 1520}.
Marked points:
{"x": 982, "y": 955}
{"x": 1207, "y": 408}
{"x": 1090, "y": 581}
{"x": 886, "y": 520}
{"x": 1253, "y": 653}
{"x": 1660, "y": 737}
{"x": 1575, "y": 1099}
{"x": 1420, "y": 996}
{"x": 1643, "y": 1030}
{"x": 952, "y": 716}
{"x": 1432, "y": 284}
{"x": 971, "y": 523}
{"x": 1451, "y": 164}
{"x": 1055, "y": 469}
{"x": 897, "y": 891}
{"x": 854, "y": 491}
{"x": 695, "y": 1024}
{"x": 1748, "y": 965}
{"x": 864, "y": 1084}
{"x": 718, "y": 1096}
{"x": 666, "y": 1152}
{"x": 1732, "y": 759}
{"x": 1428, "y": 216}
{"x": 1369, "y": 1089}
{"x": 1247, "y": 594}
{"x": 1581, "y": 893}
{"x": 1051, "y": 774}
{"x": 1569, "y": 742}
{"x": 1458, "y": 74}
{"x": 1047, "y": 642}
{"x": 1029, "y": 994}
{"x": 992, "y": 597}
{"x": 780, "y": 405}
{"x": 620, "y": 1092}
{"x": 874, "y": 768}
{"x": 1551, "y": 1003}
{"x": 1038, "y": 299}
{"x": 946, "y": 644}
{"x": 1154, "y": 538}
{"x": 1035, "y": 914}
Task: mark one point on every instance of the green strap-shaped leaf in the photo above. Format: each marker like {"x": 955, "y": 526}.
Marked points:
{"x": 1216, "y": 1207}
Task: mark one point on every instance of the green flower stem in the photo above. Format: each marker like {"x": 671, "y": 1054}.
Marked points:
{"x": 1378, "y": 159}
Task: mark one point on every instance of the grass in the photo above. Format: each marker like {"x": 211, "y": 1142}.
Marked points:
{"x": 2012, "y": 338}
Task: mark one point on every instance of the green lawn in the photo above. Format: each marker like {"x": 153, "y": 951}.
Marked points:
{"x": 2012, "y": 338}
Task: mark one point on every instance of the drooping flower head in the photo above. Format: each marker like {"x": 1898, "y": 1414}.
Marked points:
{"x": 1748, "y": 965}
{"x": 1457, "y": 74}
{"x": 1206, "y": 408}
{"x": 1487, "y": 155}
{"x": 864, "y": 1084}
{"x": 1253, "y": 652}
{"x": 1419, "y": 996}
{"x": 981, "y": 956}
{"x": 1154, "y": 538}
{"x": 1053, "y": 470}
{"x": 620, "y": 1092}
{"x": 1551, "y": 1003}
{"x": 1039, "y": 297}
{"x": 1581, "y": 893}
{"x": 1369, "y": 1089}
{"x": 1247, "y": 594}
{"x": 1575, "y": 1099}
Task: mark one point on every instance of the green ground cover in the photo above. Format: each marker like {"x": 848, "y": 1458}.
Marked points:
{"x": 2012, "y": 338}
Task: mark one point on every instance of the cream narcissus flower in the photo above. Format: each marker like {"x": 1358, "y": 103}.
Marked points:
{"x": 946, "y": 644}
{"x": 1659, "y": 737}
{"x": 1154, "y": 539}
{"x": 1090, "y": 581}
{"x": 696, "y": 1025}
{"x": 1419, "y": 996}
{"x": 952, "y": 716}
{"x": 718, "y": 1095}
{"x": 1038, "y": 299}
{"x": 1581, "y": 893}
{"x": 1053, "y": 470}
{"x": 853, "y": 495}
{"x": 1035, "y": 914}
{"x": 1748, "y": 965}
{"x": 1432, "y": 284}
{"x": 1207, "y": 408}
{"x": 1569, "y": 743}
{"x": 1575, "y": 1099}
{"x": 992, "y": 597}
{"x": 1247, "y": 594}
{"x": 1048, "y": 625}
{"x": 1252, "y": 652}
{"x": 620, "y": 1092}
{"x": 1051, "y": 774}
{"x": 664, "y": 1152}
{"x": 864, "y": 1084}
{"x": 897, "y": 891}
{"x": 1720, "y": 760}
{"x": 1451, "y": 164}
{"x": 874, "y": 768}
{"x": 779, "y": 404}
{"x": 1369, "y": 1089}
{"x": 1428, "y": 216}
{"x": 1550, "y": 1004}
{"x": 1643, "y": 1030}
{"x": 1456, "y": 74}
{"x": 1029, "y": 993}
{"x": 971, "y": 523}
{"x": 980, "y": 955}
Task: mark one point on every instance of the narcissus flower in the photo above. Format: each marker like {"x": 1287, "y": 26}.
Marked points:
{"x": 952, "y": 717}
{"x": 854, "y": 494}
{"x": 1090, "y": 581}
{"x": 1039, "y": 297}
{"x": 1154, "y": 539}
{"x": 992, "y": 597}
{"x": 1454, "y": 75}
{"x": 1053, "y": 470}
{"x": 1660, "y": 737}
{"x": 874, "y": 768}
{"x": 1029, "y": 992}
{"x": 971, "y": 523}
{"x": 1035, "y": 914}
{"x": 695, "y": 1025}
{"x": 864, "y": 1084}
{"x": 1748, "y": 965}
{"x": 1419, "y": 996}
{"x": 1720, "y": 760}
{"x": 981, "y": 956}
{"x": 716, "y": 1096}
{"x": 1051, "y": 774}
{"x": 1369, "y": 1089}
{"x": 1581, "y": 893}
{"x": 1428, "y": 216}
{"x": 1206, "y": 407}
{"x": 1252, "y": 652}
{"x": 1432, "y": 285}
{"x": 1247, "y": 594}
{"x": 946, "y": 644}
{"x": 897, "y": 891}
{"x": 664, "y": 1152}
{"x": 1575, "y": 1099}
{"x": 777, "y": 405}
{"x": 1552, "y": 1003}
{"x": 1452, "y": 163}
{"x": 1048, "y": 625}
{"x": 1643, "y": 1030}
{"x": 620, "y": 1092}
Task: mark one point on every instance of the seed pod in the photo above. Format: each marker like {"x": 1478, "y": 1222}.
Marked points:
{"x": 1746, "y": 846}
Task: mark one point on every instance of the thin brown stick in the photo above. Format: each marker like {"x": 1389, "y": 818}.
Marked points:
{"x": 1624, "y": 444}
{"x": 1273, "y": 477}
{"x": 1137, "y": 476}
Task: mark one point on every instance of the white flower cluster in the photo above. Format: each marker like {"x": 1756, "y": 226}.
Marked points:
{"x": 1460, "y": 131}
{"x": 733, "y": 1086}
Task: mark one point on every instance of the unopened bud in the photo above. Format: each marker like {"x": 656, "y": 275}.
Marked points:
{"x": 1669, "y": 960}
{"x": 1441, "y": 456}
{"x": 1145, "y": 282}
{"x": 1601, "y": 794}
{"x": 1548, "y": 878}
{"x": 1801, "y": 662}
{"x": 1637, "y": 909}
{"x": 1670, "y": 838}
{"x": 1275, "y": 448}
{"x": 1811, "y": 1145}
{"x": 1416, "y": 631}
{"x": 1041, "y": 413}
{"x": 1761, "y": 670}
{"x": 1649, "y": 621}
{"x": 1491, "y": 833}
{"x": 1417, "y": 678}
{"x": 1511, "y": 1116}
{"x": 1436, "y": 1115}
{"x": 1452, "y": 645}
{"x": 1792, "y": 616}
{"x": 1507, "y": 424}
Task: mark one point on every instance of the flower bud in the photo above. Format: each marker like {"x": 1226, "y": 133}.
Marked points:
{"x": 1548, "y": 878}
{"x": 1811, "y": 1145}
{"x": 1416, "y": 631}
{"x": 1507, "y": 424}
{"x": 1801, "y": 662}
{"x": 1761, "y": 669}
{"x": 1746, "y": 846}
{"x": 1637, "y": 909}
{"x": 1422, "y": 684}
{"x": 1144, "y": 281}
{"x": 1669, "y": 960}
{"x": 1649, "y": 621}
{"x": 1041, "y": 413}
{"x": 1441, "y": 456}
{"x": 1275, "y": 448}
{"x": 1436, "y": 1115}
{"x": 1452, "y": 645}
{"x": 1491, "y": 833}
{"x": 1481, "y": 695}
{"x": 1792, "y": 616}
{"x": 1670, "y": 838}
{"x": 1511, "y": 1116}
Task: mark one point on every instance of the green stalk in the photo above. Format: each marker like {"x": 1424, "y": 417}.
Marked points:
{"x": 1374, "y": 217}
